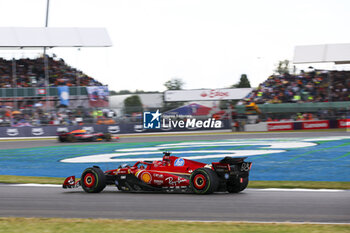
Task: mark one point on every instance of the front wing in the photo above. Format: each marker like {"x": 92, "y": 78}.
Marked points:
{"x": 70, "y": 182}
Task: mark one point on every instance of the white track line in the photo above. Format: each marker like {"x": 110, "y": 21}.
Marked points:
{"x": 252, "y": 189}
{"x": 27, "y": 138}
{"x": 33, "y": 185}
{"x": 300, "y": 190}
{"x": 260, "y": 222}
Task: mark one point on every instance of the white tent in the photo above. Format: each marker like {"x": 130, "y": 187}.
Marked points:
{"x": 34, "y": 37}
{"x": 337, "y": 53}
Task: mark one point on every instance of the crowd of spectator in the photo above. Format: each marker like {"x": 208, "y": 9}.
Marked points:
{"x": 60, "y": 116}
{"x": 315, "y": 86}
{"x": 27, "y": 72}
{"x": 325, "y": 114}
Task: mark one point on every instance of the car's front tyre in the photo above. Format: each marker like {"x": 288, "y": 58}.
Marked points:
{"x": 108, "y": 137}
{"x": 93, "y": 180}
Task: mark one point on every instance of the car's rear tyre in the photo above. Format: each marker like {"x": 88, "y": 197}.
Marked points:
{"x": 204, "y": 181}
{"x": 71, "y": 138}
{"x": 93, "y": 180}
{"x": 238, "y": 187}
{"x": 108, "y": 137}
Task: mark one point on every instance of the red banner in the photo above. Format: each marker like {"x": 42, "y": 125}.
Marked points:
{"x": 40, "y": 91}
{"x": 315, "y": 125}
{"x": 344, "y": 123}
{"x": 280, "y": 126}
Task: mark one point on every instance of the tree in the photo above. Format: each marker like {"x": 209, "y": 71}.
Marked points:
{"x": 123, "y": 92}
{"x": 137, "y": 91}
{"x": 133, "y": 104}
{"x": 283, "y": 67}
{"x": 112, "y": 92}
{"x": 243, "y": 82}
{"x": 174, "y": 84}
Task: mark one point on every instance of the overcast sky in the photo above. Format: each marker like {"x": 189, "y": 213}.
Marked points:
{"x": 207, "y": 43}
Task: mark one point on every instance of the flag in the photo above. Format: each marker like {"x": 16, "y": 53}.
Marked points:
{"x": 63, "y": 93}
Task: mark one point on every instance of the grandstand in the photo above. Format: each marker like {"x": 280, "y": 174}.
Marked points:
{"x": 23, "y": 92}
{"x": 319, "y": 94}
{"x": 316, "y": 86}
{"x": 45, "y": 90}
{"x": 307, "y": 96}
{"x": 23, "y": 82}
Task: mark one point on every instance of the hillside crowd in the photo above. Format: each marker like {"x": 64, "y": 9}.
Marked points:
{"x": 31, "y": 73}
{"x": 63, "y": 116}
{"x": 315, "y": 86}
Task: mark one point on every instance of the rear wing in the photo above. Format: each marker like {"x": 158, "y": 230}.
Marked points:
{"x": 232, "y": 161}
{"x": 229, "y": 164}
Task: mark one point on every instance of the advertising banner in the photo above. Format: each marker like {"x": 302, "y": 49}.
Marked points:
{"x": 280, "y": 126}
{"x": 315, "y": 125}
{"x": 345, "y": 123}
{"x": 98, "y": 96}
{"x": 40, "y": 91}
{"x": 207, "y": 94}
{"x": 43, "y": 131}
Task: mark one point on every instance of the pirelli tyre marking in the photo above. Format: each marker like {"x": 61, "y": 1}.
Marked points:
{"x": 199, "y": 181}
{"x": 89, "y": 180}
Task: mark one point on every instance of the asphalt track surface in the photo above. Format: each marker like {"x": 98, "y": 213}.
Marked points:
{"x": 250, "y": 205}
{"x": 14, "y": 144}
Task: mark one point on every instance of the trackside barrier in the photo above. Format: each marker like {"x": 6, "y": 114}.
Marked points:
{"x": 320, "y": 124}
{"x": 280, "y": 126}
{"x": 126, "y": 128}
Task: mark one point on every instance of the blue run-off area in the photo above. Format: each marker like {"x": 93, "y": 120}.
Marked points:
{"x": 319, "y": 159}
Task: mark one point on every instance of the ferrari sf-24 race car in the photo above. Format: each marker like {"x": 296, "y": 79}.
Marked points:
{"x": 171, "y": 174}
{"x": 83, "y": 135}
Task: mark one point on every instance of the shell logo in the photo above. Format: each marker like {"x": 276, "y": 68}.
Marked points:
{"x": 146, "y": 177}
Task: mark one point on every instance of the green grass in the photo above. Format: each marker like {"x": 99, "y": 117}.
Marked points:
{"x": 252, "y": 184}
{"x": 28, "y": 225}
{"x": 300, "y": 184}
{"x": 30, "y": 179}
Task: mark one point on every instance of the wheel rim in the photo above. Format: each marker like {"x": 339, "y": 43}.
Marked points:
{"x": 199, "y": 181}
{"x": 89, "y": 180}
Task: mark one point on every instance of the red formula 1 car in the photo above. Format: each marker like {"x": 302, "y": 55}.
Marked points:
{"x": 172, "y": 174}
{"x": 83, "y": 135}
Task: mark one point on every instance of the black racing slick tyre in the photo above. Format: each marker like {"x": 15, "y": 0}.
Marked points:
{"x": 238, "y": 187}
{"x": 204, "y": 181}
{"x": 93, "y": 180}
{"x": 61, "y": 139}
{"x": 108, "y": 137}
{"x": 71, "y": 138}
